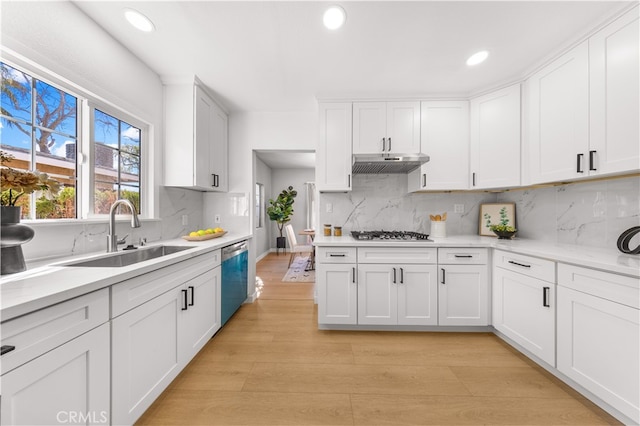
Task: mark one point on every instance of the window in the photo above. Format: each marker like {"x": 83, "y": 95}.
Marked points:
{"x": 259, "y": 207}
{"x": 39, "y": 128}
{"x": 43, "y": 129}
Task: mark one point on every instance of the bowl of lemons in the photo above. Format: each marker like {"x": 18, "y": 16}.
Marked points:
{"x": 204, "y": 234}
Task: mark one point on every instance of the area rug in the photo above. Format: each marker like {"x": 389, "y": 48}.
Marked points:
{"x": 296, "y": 272}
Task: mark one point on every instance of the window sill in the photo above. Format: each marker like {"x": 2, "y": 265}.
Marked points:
{"x": 92, "y": 221}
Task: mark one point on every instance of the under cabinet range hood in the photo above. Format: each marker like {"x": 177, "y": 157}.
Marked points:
{"x": 387, "y": 163}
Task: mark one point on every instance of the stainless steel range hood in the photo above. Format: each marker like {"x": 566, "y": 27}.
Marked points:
{"x": 387, "y": 163}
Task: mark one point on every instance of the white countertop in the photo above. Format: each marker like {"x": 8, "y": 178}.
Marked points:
{"x": 43, "y": 286}
{"x": 610, "y": 260}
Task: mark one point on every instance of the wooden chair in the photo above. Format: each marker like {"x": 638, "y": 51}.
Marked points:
{"x": 294, "y": 246}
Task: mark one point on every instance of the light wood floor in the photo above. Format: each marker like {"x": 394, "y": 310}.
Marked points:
{"x": 270, "y": 365}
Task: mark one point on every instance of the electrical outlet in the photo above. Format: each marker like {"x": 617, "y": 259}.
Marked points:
{"x": 216, "y": 218}
{"x": 329, "y": 208}
{"x": 458, "y": 208}
{"x": 185, "y": 220}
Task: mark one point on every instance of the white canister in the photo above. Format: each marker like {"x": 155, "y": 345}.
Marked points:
{"x": 438, "y": 229}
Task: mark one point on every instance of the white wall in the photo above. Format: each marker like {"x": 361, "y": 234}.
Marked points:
{"x": 283, "y": 178}
{"x": 58, "y": 37}
{"x": 263, "y": 235}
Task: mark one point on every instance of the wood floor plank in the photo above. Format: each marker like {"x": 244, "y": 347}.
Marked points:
{"x": 321, "y": 353}
{"x": 203, "y": 374}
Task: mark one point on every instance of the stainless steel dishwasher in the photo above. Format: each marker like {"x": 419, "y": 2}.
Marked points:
{"x": 234, "y": 278}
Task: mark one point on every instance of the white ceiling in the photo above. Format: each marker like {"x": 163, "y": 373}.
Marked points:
{"x": 277, "y": 56}
{"x": 288, "y": 159}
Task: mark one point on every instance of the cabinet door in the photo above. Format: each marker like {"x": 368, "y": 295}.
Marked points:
{"x": 598, "y": 347}
{"x": 68, "y": 383}
{"x": 417, "y": 295}
{"x": 378, "y": 294}
{"x": 495, "y": 139}
{"x": 444, "y": 136}
{"x": 369, "y": 127}
{"x": 559, "y": 118}
{"x": 403, "y": 127}
{"x": 614, "y": 67}
{"x": 145, "y": 343}
{"x": 218, "y": 155}
{"x": 337, "y": 293}
{"x": 333, "y": 165}
{"x": 519, "y": 312}
{"x": 202, "y": 318}
{"x": 203, "y": 174}
{"x": 463, "y": 295}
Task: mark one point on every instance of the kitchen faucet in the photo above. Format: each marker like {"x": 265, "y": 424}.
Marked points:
{"x": 112, "y": 238}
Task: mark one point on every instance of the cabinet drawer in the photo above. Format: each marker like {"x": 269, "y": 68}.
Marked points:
{"x": 532, "y": 266}
{"x": 136, "y": 291}
{"x": 36, "y": 333}
{"x": 462, "y": 255}
{"x": 397, "y": 255}
{"x": 607, "y": 285}
{"x": 336, "y": 255}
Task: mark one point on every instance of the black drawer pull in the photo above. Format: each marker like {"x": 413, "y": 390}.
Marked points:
{"x": 337, "y": 255}
{"x": 545, "y": 297}
{"x": 519, "y": 264}
{"x": 443, "y": 276}
{"x": 401, "y": 275}
{"x": 463, "y": 255}
{"x": 353, "y": 275}
{"x": 6, "y": 349}
{"x": 592, "y": 161}
{"x": 192, "y": 294}
{"x": 184, "y": 300}
{"x": 394, "y": 275}
{"x": 579, "y": 163}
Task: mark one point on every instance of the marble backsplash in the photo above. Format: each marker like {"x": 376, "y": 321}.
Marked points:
{"x": 592, "y": 213}
{"x": 56, "y": 239}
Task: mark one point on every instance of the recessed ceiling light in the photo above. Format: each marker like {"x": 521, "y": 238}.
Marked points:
{"x": 477, "y": 58}
{"x": 334, "y": 17}
{"x": 139, "y": 21}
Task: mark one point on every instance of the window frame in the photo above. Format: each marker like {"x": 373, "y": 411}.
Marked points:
{"x": 259, "y": 206}
{"x": 86, "y": 102}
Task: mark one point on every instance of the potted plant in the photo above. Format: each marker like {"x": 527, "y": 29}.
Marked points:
{"x": 280, "y": 211}
{"x": 503, "y": 230}
{"x": 13, "y": 185}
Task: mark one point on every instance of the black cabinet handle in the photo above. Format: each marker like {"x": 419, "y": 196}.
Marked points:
{"x": 337, "y": 255}
{"x": 389, "y": 145}
{"x": 192, "y": 294}
{"x": 545, "y": 297}
{"x": 353, "y": 275}
{"x": 592, "y": 160}
{"x": 184, "y": 300}
{"x": 443, "y": 276}
{"x": 394, "y": 275}
{"x": 384, "y": 140}
{"x": 463, "y": 255}
{"x": 424, "y": 180}
{"x": 6, "y": 349}
{"x": 401, "y": 275}
{"x": 213, "y": 179}
{"x": 579, "y": 163}
{"x": 473, "y": 179}
{"x": 349, "y": 181}
{"x": 519, "y": 264}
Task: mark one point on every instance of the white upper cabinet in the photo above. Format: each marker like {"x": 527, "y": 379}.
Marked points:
{"x": 386, "y": 127}
{"x": 195, "y": 139}
{"x": 333, "y": 164}
{"x": 558, "y": 98}
{"x": 444, "y": 136}
{"x": 614, "y": 74}
{"x": 495, "y": 139}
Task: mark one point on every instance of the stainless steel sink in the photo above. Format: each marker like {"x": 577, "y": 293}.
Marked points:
{"x": 129, "y": 257}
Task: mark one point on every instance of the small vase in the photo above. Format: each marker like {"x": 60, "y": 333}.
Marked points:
{"x": 505, "y": 235}
{"x": 12, "y": 235}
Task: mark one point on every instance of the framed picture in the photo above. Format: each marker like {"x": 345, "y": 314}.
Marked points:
{"x": 496, "y": 214}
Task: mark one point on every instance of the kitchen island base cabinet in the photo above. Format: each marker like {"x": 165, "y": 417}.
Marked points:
{"x": 67, "y": 385}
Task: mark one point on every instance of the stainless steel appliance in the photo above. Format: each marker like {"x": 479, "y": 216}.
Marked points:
{"x": 389, "y": 236}
{"x": 234, "y": 278}
{"x": 387, "y": 163}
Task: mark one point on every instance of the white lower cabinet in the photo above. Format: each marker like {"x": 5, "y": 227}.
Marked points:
{"x": 152, "y": 342}
{"x": 337, "y": 287}
{"x": 524, "y": 307}
{"x": 598, "y": 337}
{"x": 67, "y": 385}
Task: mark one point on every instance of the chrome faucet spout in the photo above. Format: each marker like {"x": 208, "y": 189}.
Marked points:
{"x": 112, "y": 238}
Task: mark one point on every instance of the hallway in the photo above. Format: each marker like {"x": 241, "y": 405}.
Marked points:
{"x": 270, "y": 365}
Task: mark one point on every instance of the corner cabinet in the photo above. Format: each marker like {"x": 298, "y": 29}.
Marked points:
{"x": 333, "y": 165}
{"x": 495, "y": 139}
{"x": 444, "y": 137}
{"x": 386, "y": 127}
{"x": 196, "y": 145}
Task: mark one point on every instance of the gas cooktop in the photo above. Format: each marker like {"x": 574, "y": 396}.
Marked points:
{"x": 389, "y": 236}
